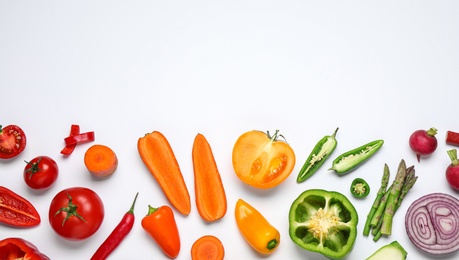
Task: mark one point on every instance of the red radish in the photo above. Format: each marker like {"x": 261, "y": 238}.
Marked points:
{"x": 423, "y": 142}
{"x": 452, "y": 172}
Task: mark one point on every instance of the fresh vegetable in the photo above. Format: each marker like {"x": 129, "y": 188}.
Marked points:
{"x": 17, "y": 248}
{"x": 256, "y": 230}
{"x": 100, "y": 160}
{"x": 158, "y": 156}
{"x": 431, "y": 223}
{"x": 207, "y": 248}
{"x": 423, "y": 142}
{"x": 76, "y": 213}
{"x": 452, "y": 171}
{"x": 118, "y": 234}
{"x": 360, "y": 188}
{"x": 324, "y": 222}
{"x": 322, "y": 150}
{"x": 381, "y": 220}
{"x": 452, "y": 138}
{"x": 350, "y": 160}
{"x": 261, "y": 160}
{"x": 392, "y": 251}
{"x": 75, "y": 138}
{"x": 41, "y": 172}
{"x": 160, "y": 224}
{"x": 12, "y": 141}
{"x": 209, "y": 190}
{"x": 16, "y": 210}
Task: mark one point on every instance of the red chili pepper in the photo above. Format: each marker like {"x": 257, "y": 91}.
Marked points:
{"x": 79, "y": 138}
{"x": 68, "y": 149}
{"x": 452, "y": 138}
{"x": 117, "y": 235}
{"x": 16, "y": 210}
{"x": 18, "y": 248}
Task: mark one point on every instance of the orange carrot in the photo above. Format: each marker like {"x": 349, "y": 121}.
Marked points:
{"x": 210, "y": 193}
{"x": 207, "y": 248}
{"x": 100, "y": 160}
{"x": 158, "y": 156}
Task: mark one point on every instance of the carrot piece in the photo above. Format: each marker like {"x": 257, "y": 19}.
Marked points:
{"x": 100, "y": 160}
{"x": 210, "y": 193}
{"x": 207, "y": 248}
{"x": 158, "y": 156}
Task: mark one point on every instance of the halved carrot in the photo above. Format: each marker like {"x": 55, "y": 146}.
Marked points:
{"x": 207, "y": 248}
{"x": 209, "y": 190}
{"x": 100, "y": 160}
{"x": 158, "y": 156}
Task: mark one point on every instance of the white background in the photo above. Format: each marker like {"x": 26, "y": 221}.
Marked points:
{"x": 376, "y": 70}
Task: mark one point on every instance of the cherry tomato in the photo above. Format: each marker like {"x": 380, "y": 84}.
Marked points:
{"x": 12, "y": 141}
{"x": 261, "y": 160}
{"x": 41, "y": 173}
{"x": 76, "y": 213}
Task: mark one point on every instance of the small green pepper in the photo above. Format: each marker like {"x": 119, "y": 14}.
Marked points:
{"x": 350, "y": 160}
{"x": 324, "y": 222}
{"x": 360, "y": 188}
{"x": 317, "y": 157}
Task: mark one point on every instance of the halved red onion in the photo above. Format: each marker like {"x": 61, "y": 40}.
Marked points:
{"x": 432, "y": 223}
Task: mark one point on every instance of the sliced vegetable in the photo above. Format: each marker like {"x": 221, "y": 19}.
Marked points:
{"x": 12, "y": 141}
{"x": 324, "y": 222}
{"x": 207, "y": 248}
{"x": 68, "y": 149}
{"x": 423, "y": 142}
{"x": 350, "y": 160}
{"x": 17, "y": 211}
{"x": 100, "y": 160}
{"x": 431, "y": 223}
{"x": 76, "y": 213}
{"x": 261, "y": 160}
{"x": 158, "y": 156}
{"x": 41, "y": 173}
{"x": 452, "y": 171}
{"x": 322, "y": 150}
{"x": 118, "y": 234}
{"x": 452, "y": 138}
{"x": 160, "y": 224}
{"x": 392, "y": 251}
{"x": 360, "y": 188}
{"x": 17, "y": 248}
{"x": 75, "y": 138}
{"x": 210, "y": 193}
{"x": 256, "y": 230}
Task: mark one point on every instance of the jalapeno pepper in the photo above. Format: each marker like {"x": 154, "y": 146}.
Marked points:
{"x": 360, "y": 188}
{"x": 350, "y": 160}
{"x": 324, "y": 222}
{"x": 317, "y": 157}
{"x": 18, "y": 248}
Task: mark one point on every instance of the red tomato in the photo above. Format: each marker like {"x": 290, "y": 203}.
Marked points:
{"x": 76, "y": 213}
{"x": 41, "y": 173}
{"x": 12, "y": 141}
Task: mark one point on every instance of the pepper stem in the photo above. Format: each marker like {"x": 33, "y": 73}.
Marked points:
{"x": 272, "y": 244}
{"x": 151, "y": 210}
{"x": 131, "y": 210}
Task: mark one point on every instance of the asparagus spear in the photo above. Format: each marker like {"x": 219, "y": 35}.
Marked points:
{"x": 380, "y": 210}
{"x": 374, "y": 207}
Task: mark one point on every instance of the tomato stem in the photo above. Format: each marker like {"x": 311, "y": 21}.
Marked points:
{"x": 34, "y": 168}
{"x": 71, "y": 210}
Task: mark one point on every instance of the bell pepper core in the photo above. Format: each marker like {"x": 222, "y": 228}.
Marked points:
{"x": 18, "y": 248}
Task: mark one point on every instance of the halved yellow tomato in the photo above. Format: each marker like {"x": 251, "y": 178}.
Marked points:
{"x": 261, "y": 160}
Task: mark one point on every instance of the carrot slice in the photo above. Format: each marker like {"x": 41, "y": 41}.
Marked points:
{"x": 207, "y": 248}
{"x": 100, "y": 160}
{"x": 210, "y": 193}
{"x": 157, "y": 154}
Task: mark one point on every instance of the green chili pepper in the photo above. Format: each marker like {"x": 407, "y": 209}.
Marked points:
{"x": 360, "y": 188}
{"x": 317, "y": 157}
{"x": 350, "y": 160}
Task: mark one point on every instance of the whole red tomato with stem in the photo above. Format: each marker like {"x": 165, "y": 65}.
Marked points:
{"x": 41, "y": 172}
{"x": 12, "y": 141}
{"x": 76, "y": 213}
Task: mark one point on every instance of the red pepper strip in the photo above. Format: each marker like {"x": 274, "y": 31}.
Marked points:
{"x": 18, "y": 248}
{"x": 452, "y": 138}
{"x": 16, "y": 210}
{"x": 117, "y": 235}
{"x": 80, "y": 138}
{"x": 68, "y": 149}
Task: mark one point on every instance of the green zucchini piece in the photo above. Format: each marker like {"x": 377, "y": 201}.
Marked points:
{"x": 392, "y": 251}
